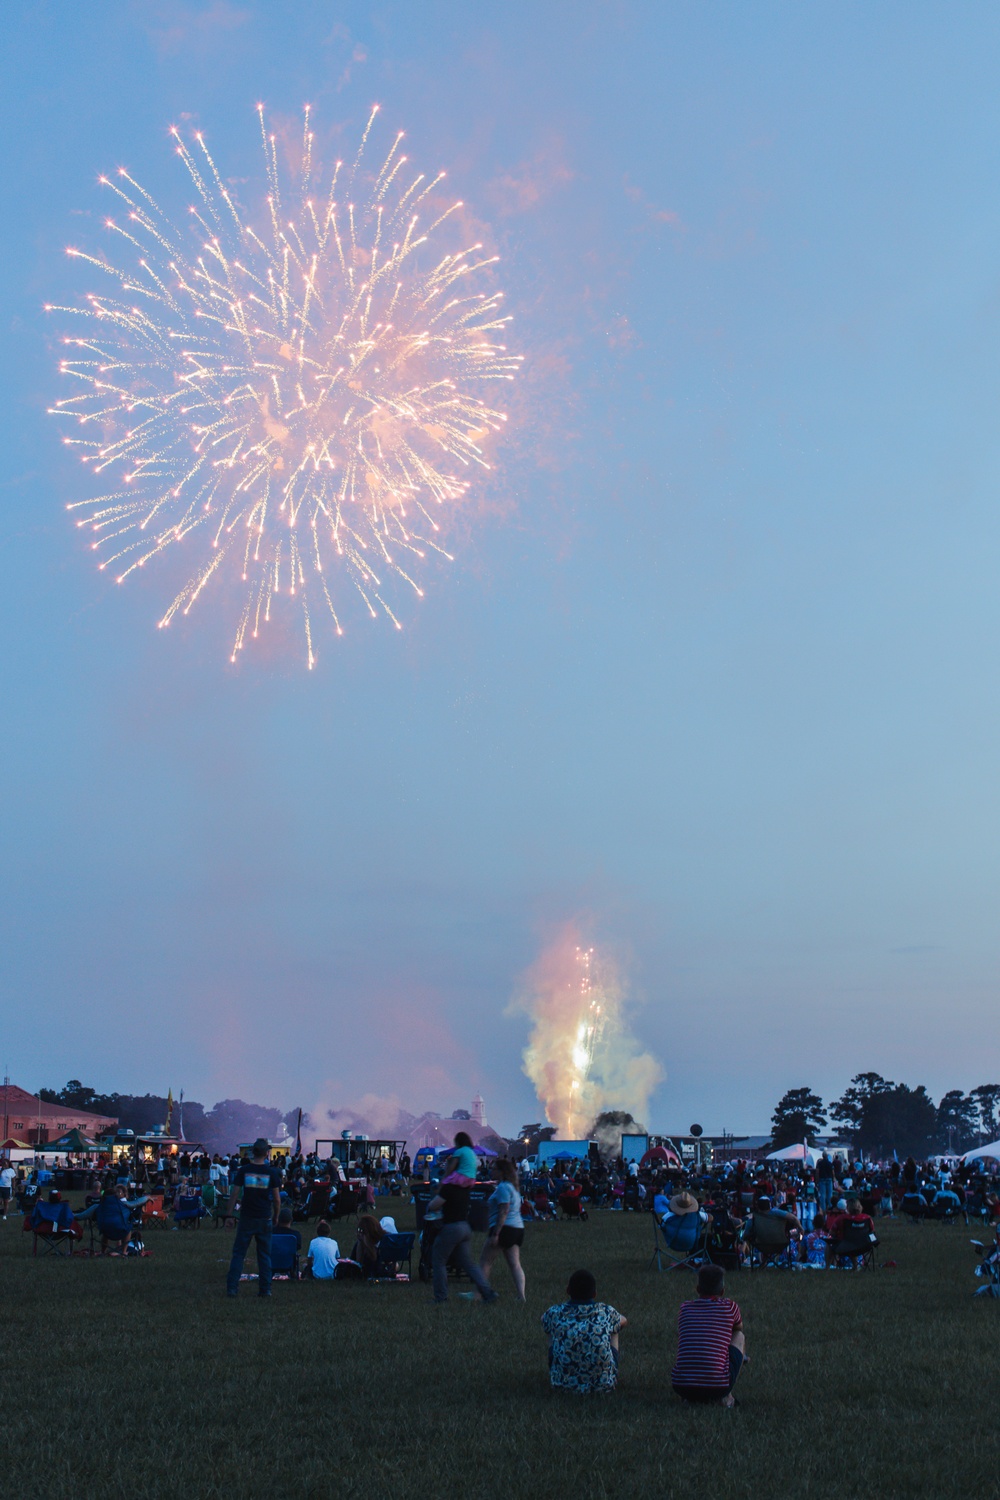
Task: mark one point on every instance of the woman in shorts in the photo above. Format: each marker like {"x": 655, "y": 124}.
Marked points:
{"x": 506, "y": 1231}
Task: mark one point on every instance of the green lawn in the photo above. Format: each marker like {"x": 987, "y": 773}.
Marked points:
{"x": 140, "y": 1378}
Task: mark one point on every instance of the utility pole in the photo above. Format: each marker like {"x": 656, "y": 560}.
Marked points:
{"x": 6, "y": 1082}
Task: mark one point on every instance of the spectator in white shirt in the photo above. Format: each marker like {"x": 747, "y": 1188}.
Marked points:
{"x": 324, "y": 1252}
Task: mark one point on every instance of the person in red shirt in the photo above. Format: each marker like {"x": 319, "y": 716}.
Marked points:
{"x": 711, "y": 1347}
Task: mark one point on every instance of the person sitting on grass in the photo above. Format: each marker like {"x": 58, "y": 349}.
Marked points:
{"x": 114, "y": 1221}
{"x": 711, "y": 1348}
{"x": 365, "y": 1251}
{"x": 324, "y": 1252}
{"x": 583, "y": 1339}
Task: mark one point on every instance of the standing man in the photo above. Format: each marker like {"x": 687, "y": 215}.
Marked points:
{"x": 824, "y": 1183}
{"x": 257, "y": 1199}
{"x": 453, "y": 1238}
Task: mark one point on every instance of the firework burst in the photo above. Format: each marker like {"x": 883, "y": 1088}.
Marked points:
{"x": 297, "y": 403}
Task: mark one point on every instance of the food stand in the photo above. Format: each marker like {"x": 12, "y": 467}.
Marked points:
{"x": 359, "y": 1156}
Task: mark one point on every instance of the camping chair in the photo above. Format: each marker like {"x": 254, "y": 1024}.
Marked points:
{"x": 318, "y": 1203}
{"x": 345, "y": 1205}
{"x": 988, "y": 1268}
{"x": 190, "y": 1210}
{"x": 394, "y": 1250}
{"x": 914, "y": 1206}
{"x": 152, "y": 1211}
{"x": 285, "y": 1256}
{"x": 683, "y": 1251}
{"x": 725, "y": 1238}
{"x": 857, "y": 1245}
{"x": 220, "y": 1210}
{"x": 571, "y": 1205}
{"x": 768, "y": 1239}
{"x": 52, "y": 1225}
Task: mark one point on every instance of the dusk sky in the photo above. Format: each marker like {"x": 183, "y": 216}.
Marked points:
{"x": 716, "y": 670}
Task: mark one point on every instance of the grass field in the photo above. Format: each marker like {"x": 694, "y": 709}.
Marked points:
{"x": 140, "y": 1378}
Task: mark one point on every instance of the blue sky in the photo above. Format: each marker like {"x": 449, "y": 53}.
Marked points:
{"x": 716, "y": 668}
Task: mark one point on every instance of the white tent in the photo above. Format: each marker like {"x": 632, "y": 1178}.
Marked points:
{"x": 993, "y": 1150}
{"x": 798, "y": 1152}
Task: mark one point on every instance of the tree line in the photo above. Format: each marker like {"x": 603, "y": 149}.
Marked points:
{"x": 218, "y": 1129}
{"x": 877, "y": 1117}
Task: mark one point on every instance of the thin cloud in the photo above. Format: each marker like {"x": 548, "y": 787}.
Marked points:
{"x": 181, "y": 28}
{"x": 525, "y": 186}
{"x": 652, "y": 212}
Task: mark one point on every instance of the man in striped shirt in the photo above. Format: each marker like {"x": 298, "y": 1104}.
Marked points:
{"x": 711, "y": 1347}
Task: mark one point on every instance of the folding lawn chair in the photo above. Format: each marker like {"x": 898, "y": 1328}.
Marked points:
{"x": 857, "y": 1245}
{"x": 285, "y": 1256}
{"x": 53, "y": 1227}
{"x": 220, "y": 1210}
{"x": 394, "y": 1250}
{"x": 683, "y": 1250}
{"x": 152, "y": 1210}
{"x": 768, "y": 1239}
{"x": 189, "y": 1211}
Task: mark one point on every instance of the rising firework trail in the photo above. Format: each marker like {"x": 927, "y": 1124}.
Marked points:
{"x": 580, "y": 1054}
{"x": 297, "y": 402}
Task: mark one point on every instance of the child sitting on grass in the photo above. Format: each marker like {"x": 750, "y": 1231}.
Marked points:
{"x": 816, "y": 1242}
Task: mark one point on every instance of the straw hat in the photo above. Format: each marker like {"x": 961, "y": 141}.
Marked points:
{"x": 683, "y": 1203}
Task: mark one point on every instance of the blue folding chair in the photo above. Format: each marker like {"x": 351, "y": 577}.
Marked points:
{"x": 394, "y": 1250}
{"x": 285, "y": 1256}
{"x": 54, "y": 1228}
{"x": 190, "y": 1210}
{"x": 680, "y": 1241}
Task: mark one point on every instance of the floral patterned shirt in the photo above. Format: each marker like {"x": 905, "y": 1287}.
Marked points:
{"x": 581, "y": 1356}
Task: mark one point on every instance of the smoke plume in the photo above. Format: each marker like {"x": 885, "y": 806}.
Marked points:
{"x": 581, "y": 1056}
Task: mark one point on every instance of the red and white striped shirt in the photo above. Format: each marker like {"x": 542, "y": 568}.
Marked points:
{"x": 705, "y": 1332}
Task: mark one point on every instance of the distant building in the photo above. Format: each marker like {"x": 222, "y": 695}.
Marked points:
{"x": 479, "y": 1110}
{"x": 34, "y": 1121}
{"x": 431, "y": 1130}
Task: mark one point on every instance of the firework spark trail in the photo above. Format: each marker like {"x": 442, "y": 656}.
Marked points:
{"x": 300, "y": 401}
{"x": 580, "y": 1055}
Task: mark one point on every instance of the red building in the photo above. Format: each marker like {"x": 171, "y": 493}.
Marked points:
{"x": 34, "y": 1121}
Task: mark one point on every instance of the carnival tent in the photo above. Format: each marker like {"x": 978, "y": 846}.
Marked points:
{"x": 992, "y": 1150}
{"x": 798, "y": 1152}
{"x": 74, "y": 1142}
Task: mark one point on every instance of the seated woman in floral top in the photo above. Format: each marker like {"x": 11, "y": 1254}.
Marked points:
{"x": 583, "y": 1338}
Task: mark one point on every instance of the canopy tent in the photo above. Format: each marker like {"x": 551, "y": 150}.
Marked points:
{"x": 10, "y": 1144}
{"x": 73, "y": 1142}
{"x": 798, "y": 1152}
{"x": 992, "y": 1150}
{"x": 660, "y": 1156}
{"x": 483, "y": 1151}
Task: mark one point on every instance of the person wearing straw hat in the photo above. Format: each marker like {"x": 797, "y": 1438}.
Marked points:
{"x": 684, "y": 1222}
